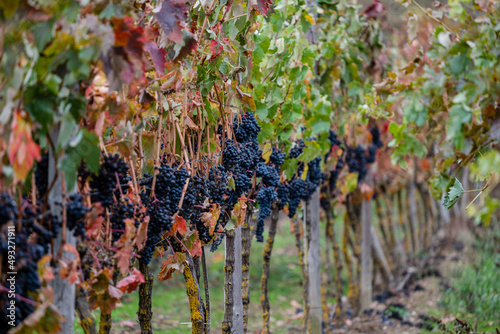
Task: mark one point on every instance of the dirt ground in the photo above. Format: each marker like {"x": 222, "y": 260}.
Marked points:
{"x": 410, "y": 311}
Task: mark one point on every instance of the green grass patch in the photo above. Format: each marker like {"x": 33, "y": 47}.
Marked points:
{"x": 474, "y": 295}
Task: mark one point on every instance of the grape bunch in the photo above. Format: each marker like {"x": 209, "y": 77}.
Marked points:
{"x": 240, "y": 158}
{"x": 32, "y": 241}
{"x": 297, "y": 150}
{"x": 75, "y": 213}
{"x": 111, "y": 181}
{"x": 8, "y": 209}
{"x": 42, "y": 175}
{"x": 170, "y": 182}
{"x": 277, "y": 158}
{"x": 266, "y": 196}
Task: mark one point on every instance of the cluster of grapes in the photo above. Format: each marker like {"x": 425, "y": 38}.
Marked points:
{"x": 29, "y": 250}
{"x": 170, "y": 182}
{"x": 297, "y": 150}
{"x": 357, "y": 158}
{"x": 267, "y": 194}
{"x": 300, "y": 189}
{"x": 75, "y": 213}
{"x": 240, "y": 158}
{"x": 111, "y": 181}
{"x": 42, "y": 175}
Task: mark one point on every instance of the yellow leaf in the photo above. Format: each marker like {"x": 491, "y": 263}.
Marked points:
{"x": 246, "y": 99}
{"x": 304, "y": 173}
{"x": 266, "y": 152}
{"x": 350, "y": 184}
{"x": 309, "y": 18}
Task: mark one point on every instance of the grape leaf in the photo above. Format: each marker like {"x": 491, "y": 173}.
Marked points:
{"x": 454, "y": 191}
{"x": 174, "y": 262}
{"x": 157, "y": 56}
{"x": 23, "y": 151}
{"x": 131, "y": 282}
{"x": 45, "y": 319}
{"x": 170, "y": 17}
{"x": 262, "y": 6}
{"x": 179, "y": 226}
{"x": 210, "y": 218}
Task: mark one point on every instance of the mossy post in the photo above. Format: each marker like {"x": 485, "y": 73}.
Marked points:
{"x": 145, "y": 313}
{"x": 194, "y": 297}
{"x": 314, "y": 262}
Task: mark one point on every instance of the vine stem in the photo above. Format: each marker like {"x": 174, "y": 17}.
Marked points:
{"x": 305, "y": 275}
{"x": 268, "y": 249}
{"x": 432, "y": 17}
{"x": 206, "y": 19}
{"x": 159, "y": 108}
{"x": 145, "y": 312}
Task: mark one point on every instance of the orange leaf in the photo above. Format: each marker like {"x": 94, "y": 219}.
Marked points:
{"x": 142, "y": 234}
{"x": 179, "y": 226}
{"x": 23, "y": 151}
{"x": 239, "y": 211}
{"x": 210, "y": 218}
{"x": 174, "y": 262}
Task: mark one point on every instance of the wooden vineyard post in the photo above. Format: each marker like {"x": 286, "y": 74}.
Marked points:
{"x": 305, "y": 274}
{"x": 227, "y": 323}
{"x": 145, "y": 313}
{"x": 268, "y": 249}
{"x": 314, "y": 262}
{"x": 398, "y": 249}
{"x": 64, "y": 292}
{"x": 379, "y": 255}
{"x": 402, "y": 224}
{"x": 338, "y": 271}
{"x": 193, "y": 293}
{"x": 365, "y": 281}
{"x": 465, "y": 199}
{"x": 237, "y": 280}
{"x": 413, "y": 216}
{"x": 246, "y": 243}
{"x": 208, "y": 311}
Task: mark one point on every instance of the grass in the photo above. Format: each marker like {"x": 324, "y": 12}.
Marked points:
{"x": 474, "y": 294}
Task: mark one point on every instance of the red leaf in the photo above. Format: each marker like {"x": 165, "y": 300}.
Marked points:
{"x": 131, "y": 282}
{"x": 157, "y": 56}
{"x": 114, "y": 292}
{"x": 128, "y": 36}
{"x": 142, "y": 234}
{"x": 179, "y": 226}
{"x": 195, "y": 250}
{"x": 262, "y": 6}
{"x": 171, "y": 16}
{"x": 215, "y": 48}
{"x": 125, "y": 247}
{"x": 94, "y": 221}
{"x": 23, "y": 151}
{"x": 189, "y": 45}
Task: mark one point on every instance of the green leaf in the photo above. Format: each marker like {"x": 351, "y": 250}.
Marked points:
{"x": 454, "y": 191}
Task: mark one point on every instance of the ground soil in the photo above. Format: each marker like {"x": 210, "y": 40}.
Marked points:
{"x": 420, "y": 298}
